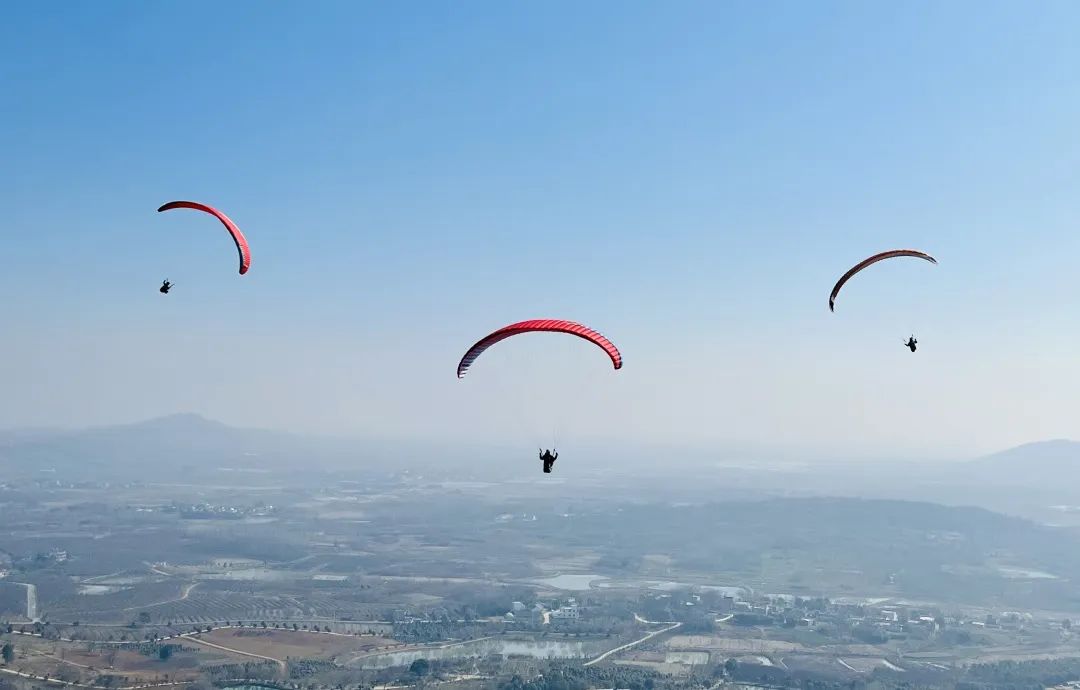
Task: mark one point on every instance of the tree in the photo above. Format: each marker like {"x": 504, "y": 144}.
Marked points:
{"x": 165, "y": 652}
{"x": 1066, "y": 624}
{"x": 8, "y": 653}
{"x": 420, "y": 667}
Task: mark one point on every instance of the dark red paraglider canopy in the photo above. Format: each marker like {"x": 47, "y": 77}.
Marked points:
{"x": 542, "y": 325}
{"x": 873, "y": 260}
{"x": 238, "y": 237}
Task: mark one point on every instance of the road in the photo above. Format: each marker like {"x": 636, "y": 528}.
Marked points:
{"x": 635, "y": 643}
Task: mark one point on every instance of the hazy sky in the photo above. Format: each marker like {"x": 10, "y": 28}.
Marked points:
{"x": 687, "y": 177}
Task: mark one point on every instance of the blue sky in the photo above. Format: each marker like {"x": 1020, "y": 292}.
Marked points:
{"x": 689, "y": 178}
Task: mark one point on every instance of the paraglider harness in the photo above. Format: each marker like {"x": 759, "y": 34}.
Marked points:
{"x": 549, "y": 460}
{"x": 911, "y": 343}
{"x": 165, "y": 287}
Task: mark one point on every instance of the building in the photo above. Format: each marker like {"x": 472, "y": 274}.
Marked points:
{"x": 568, "y": 612}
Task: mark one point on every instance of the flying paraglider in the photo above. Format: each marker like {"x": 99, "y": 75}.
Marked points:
{"x": 549, "y": 459}
{"x": 165, "y": 287}
{"x": 237, "y": 236}
{"x": 873, "y": 260}
{"x": 911, "y": 343}
{"x": 539, "y": 325}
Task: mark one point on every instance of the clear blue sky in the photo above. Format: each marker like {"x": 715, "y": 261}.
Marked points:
{"x": 687, "y": 177}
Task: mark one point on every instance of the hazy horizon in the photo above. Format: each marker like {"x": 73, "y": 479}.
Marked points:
{"x": 757, "y": 455}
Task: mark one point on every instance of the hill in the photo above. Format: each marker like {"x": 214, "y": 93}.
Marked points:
{"x": 141, "y": 449}
{"x": 1057, "y": 458}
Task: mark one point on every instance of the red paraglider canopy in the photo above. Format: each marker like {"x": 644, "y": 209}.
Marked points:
{"x": 543, "y": 325}
{"x": 238, "y": 237}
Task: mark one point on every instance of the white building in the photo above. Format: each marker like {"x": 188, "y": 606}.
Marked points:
{"x": 568, "y": 612}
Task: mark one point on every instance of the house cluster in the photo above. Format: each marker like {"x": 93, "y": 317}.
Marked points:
{"x": 883, "y": 620}
{"x": 567, "y": 612}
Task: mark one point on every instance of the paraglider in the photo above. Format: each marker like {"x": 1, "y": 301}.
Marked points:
{"x": 549, "y": 459}
{"x": 237, "y": 236}
{"x": 539, "y": 325}
{"x": 873, "y": 260}
{"x": 165, "y": 287}
{"x": 911, "y": 343}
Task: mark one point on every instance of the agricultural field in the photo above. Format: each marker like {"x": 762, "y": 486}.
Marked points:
{"x": 730, "y": 645}
{"x": 83, "y": 663}
{"x": 281, "y": 645}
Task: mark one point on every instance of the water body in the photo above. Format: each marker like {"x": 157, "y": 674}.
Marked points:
{"x": 98, "y": 590}
{"x": 580, "y": 582}
{"x": 480, "y": 648}
{"x": 575, "y": 582}
{"x": 1025, "y": 574}
{"x": 250, "y": 574}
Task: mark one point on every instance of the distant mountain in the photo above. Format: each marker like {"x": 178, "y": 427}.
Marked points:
{"x": 1050, "y": 467}
{"x": 183, "y": 445}
{"x": 142, "y": 449}
{"x": 1044, "y": 457}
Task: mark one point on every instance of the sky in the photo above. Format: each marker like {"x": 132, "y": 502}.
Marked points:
{"x": 689, "y": 178}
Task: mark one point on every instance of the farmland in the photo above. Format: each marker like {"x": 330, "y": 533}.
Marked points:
{"x": 282, "y": 645}
{"x": 329, "y": 582}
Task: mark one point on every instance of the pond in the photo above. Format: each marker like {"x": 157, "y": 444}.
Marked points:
{"x": 1025, "y": 574}
{"x": 580, "y": 582}
{"x": 577, "y": 582}
{"x": 98, "y": 590}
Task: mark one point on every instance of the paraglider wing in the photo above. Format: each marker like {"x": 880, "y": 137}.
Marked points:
{"x": 238, "y": 237}
{"x": 541, "y": 325}
{"x": 873, "y": 260}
